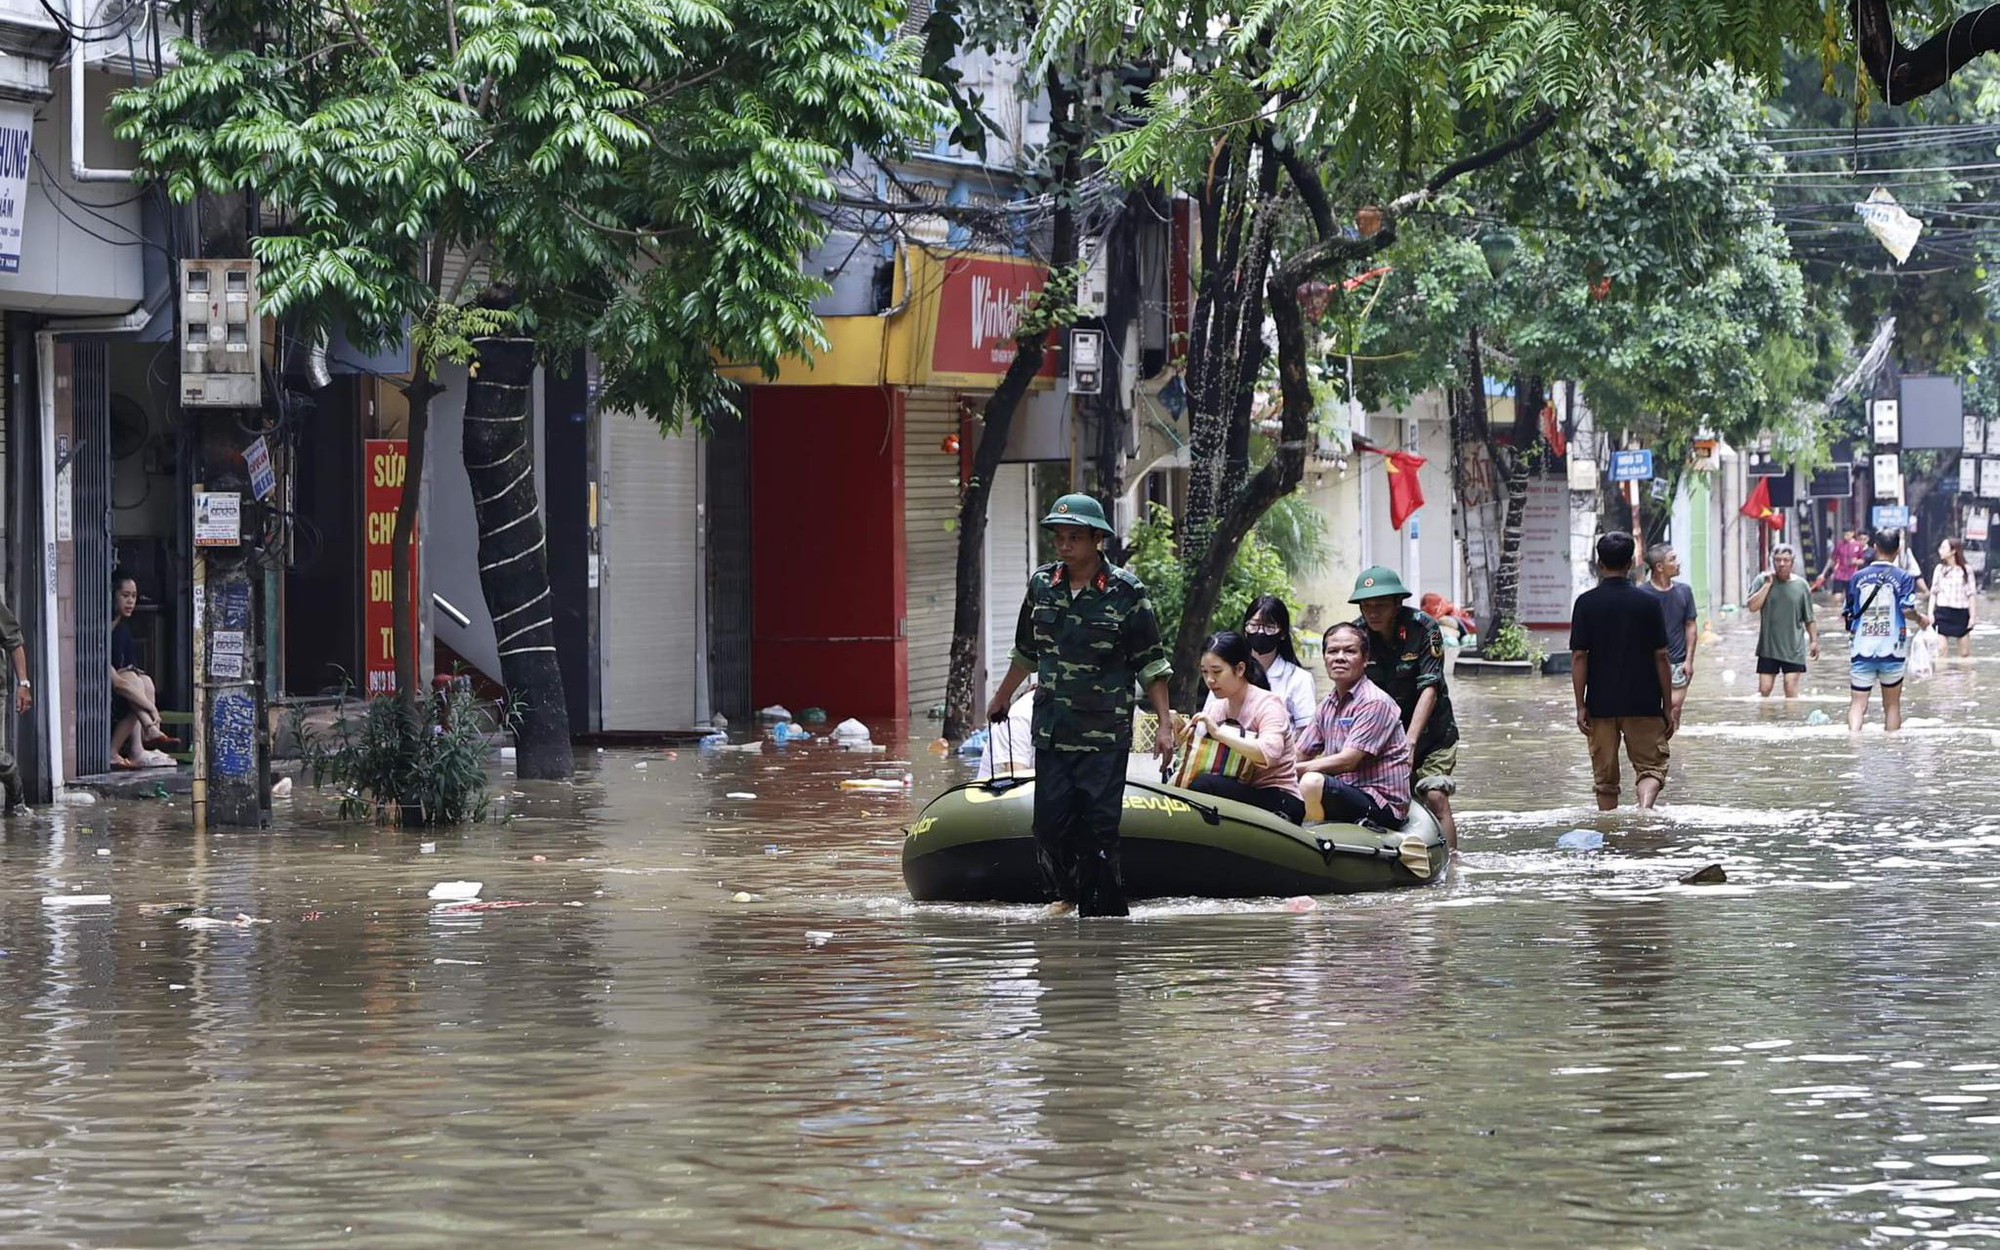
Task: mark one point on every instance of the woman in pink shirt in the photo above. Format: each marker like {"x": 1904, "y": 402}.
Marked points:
{"x": 1243, "y": 715}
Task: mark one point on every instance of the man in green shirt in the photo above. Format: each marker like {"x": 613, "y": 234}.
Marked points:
{"x": 1785, "y": 634}
{"x": 15, "y": 648}
{"x": 1088, "y": 633}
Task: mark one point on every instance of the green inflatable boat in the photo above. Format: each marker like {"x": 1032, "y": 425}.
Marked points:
{"x": 973, "y": 844}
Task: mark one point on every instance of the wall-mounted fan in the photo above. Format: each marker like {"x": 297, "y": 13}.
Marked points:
{"x": 130, "y": 427}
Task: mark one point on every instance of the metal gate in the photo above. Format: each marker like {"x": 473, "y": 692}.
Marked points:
{"x": 1010, "y": 558}
{"x": 729, "y": 602}
{"x": 90, "y": 469}
{"x": 651, "y": 536}
{"x": 930, "y": 515}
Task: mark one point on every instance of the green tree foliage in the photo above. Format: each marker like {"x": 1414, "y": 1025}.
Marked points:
{"x": 640, "y": 174}
{"x": 1282, "y": 120}
{"x": 1259, "y": 569}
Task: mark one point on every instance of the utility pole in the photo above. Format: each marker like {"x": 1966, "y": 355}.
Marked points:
{"x": 221, "y": 396}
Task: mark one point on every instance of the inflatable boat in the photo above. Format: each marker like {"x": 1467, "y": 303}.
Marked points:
{"x": 973, "y": 843}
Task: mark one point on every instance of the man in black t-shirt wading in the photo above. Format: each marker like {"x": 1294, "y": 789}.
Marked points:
{"x": 1622, "y": 678}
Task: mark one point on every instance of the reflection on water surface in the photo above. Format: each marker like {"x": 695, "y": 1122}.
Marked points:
{"x": 1550, "y": 1050}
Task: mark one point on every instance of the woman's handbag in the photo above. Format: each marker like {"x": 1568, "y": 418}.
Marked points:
{"x": 1203, "y": 756}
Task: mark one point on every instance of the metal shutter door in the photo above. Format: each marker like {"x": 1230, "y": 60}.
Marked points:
{"x": 651, "y": 574}
{"x": 930, "y": 510}
{"x": 1009, "y": 560}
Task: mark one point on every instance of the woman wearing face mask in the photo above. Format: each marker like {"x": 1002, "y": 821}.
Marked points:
{"x": 1244, "y": 715}
{"x": 1268, "y": 626}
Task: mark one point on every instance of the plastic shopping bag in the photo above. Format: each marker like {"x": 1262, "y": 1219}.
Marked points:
{"x": 1922, "y": 661}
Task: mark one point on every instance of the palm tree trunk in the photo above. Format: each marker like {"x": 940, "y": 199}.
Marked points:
{"x": 513, "y": 557}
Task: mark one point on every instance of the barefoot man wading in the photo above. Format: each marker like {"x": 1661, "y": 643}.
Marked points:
{"x": 1623, "y": 683}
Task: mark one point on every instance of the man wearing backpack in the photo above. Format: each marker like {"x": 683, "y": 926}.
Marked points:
{"x": 1881, "y": 604}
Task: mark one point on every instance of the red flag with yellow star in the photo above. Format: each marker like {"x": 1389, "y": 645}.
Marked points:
{"x": 1758, "y": 506}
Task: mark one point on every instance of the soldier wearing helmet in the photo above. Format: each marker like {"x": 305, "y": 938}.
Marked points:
{"x": 1088, "y": 633}
{"x": 1406, "y": 659}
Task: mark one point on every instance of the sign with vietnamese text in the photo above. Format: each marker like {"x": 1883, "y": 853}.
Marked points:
{"x": 1968, "y": 475}
{"x": 1631, "y": 466}
{"x": 1885, "y": 516}
{"x": 980, "y": 304}
{"x": 17, "y": 153}
{"x": 1989, "y": 478}
{"x": 263, "y": 478}
{"x": 384, "y": 461}
{"x": 218, "y": 518}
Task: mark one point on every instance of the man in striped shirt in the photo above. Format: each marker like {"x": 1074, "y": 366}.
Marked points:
{"x": 1354, "y": 757}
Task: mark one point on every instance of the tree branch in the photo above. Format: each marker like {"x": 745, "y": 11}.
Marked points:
{"x": 1903, "y": 74}
{"x": 1493, "y": 155}
{"x": 1311, "y": 189}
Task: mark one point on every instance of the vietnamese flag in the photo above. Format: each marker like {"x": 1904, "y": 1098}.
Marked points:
{"x": 1406, "y": 492}
{"x": 1758, "y": 506}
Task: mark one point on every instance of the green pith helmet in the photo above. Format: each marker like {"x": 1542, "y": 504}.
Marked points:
{"x": 1079, "y": 510}
{"x": 1379, "y": 582}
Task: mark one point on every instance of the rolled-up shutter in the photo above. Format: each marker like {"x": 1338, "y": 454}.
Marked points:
{"x": 930, "y": 515}
{"x": 1010, "y": 558}
{"x": 651, "y": 575}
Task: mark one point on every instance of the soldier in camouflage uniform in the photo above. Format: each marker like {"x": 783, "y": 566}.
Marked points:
{"x": 1088, "y": 633}
{"x": 1406, "y": 659}
{"x": 15, "y": 649}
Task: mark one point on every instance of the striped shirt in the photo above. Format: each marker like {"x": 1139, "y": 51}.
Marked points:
{"x": 1367, "y": 719}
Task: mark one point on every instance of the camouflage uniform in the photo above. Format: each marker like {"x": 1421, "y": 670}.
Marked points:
{"x": 1090, "y": 652}
{"x": 1405, "y": 664}
{"x": 10, "y": 770}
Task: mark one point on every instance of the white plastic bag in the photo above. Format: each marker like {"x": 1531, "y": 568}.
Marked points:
{"x": 1922, "y": 661}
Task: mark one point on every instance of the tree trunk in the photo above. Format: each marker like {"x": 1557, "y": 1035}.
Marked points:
{"x": 419, "y": 393}
{"x": 513, "y": 558}
{"x": 1513, "y": 467}
{"x": 1530, "y": 393}
{"x": 997, "y": 422}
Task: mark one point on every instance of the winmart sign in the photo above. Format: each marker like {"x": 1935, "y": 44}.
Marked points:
{"x": 981, "y": 301}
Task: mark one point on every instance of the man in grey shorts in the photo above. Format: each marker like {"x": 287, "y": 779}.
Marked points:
{"x": 1676, "y": 600}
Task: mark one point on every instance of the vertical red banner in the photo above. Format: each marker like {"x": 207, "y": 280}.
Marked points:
{"x": 384, "y": 461}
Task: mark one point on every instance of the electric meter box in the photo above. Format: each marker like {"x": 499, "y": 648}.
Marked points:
{"x": 221, "y": 348}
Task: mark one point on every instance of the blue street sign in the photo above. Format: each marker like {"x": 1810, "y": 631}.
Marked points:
{"x": 1889, "y": 516}
{"x": 1631, "y": 466}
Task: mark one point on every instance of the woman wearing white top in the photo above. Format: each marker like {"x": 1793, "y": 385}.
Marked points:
{"x": 1268, "y": 625}
{"x": 1953, "y": 599}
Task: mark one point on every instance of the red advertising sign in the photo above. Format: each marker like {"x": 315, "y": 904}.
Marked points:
{"x": 383, "y": 464}
{"x": 979, "y": 309}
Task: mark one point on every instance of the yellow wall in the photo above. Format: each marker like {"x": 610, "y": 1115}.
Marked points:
{"x": 892, "y": 349}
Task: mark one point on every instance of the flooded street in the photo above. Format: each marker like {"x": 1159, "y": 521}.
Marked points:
{"x": 1551, "y": 1049}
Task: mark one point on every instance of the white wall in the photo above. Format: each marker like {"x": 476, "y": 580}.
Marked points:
{"x": 66, "y": 267}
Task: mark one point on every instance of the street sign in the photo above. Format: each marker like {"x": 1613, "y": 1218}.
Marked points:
{"x": 1989, "y": 478}
{"x": 1631, "y": 466}
{"x": 1886, "y": 516}
{"x": 1968, "y": 475}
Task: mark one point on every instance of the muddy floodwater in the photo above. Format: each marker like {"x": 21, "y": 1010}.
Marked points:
{"x": 1551, "y": 1049}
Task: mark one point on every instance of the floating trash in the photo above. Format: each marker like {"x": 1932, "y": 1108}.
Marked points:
{"x": 456, "y": 891}
{"x": 1581, "y": 840}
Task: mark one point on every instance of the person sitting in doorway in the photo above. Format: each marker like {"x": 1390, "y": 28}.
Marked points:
{"x": 1243, "y": 714}
{"x": 1355, "y": 758}
{"x": 137, "y": 734}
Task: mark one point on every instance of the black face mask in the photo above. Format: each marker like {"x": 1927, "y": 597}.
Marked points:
{"x": 1264, "y": 644}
